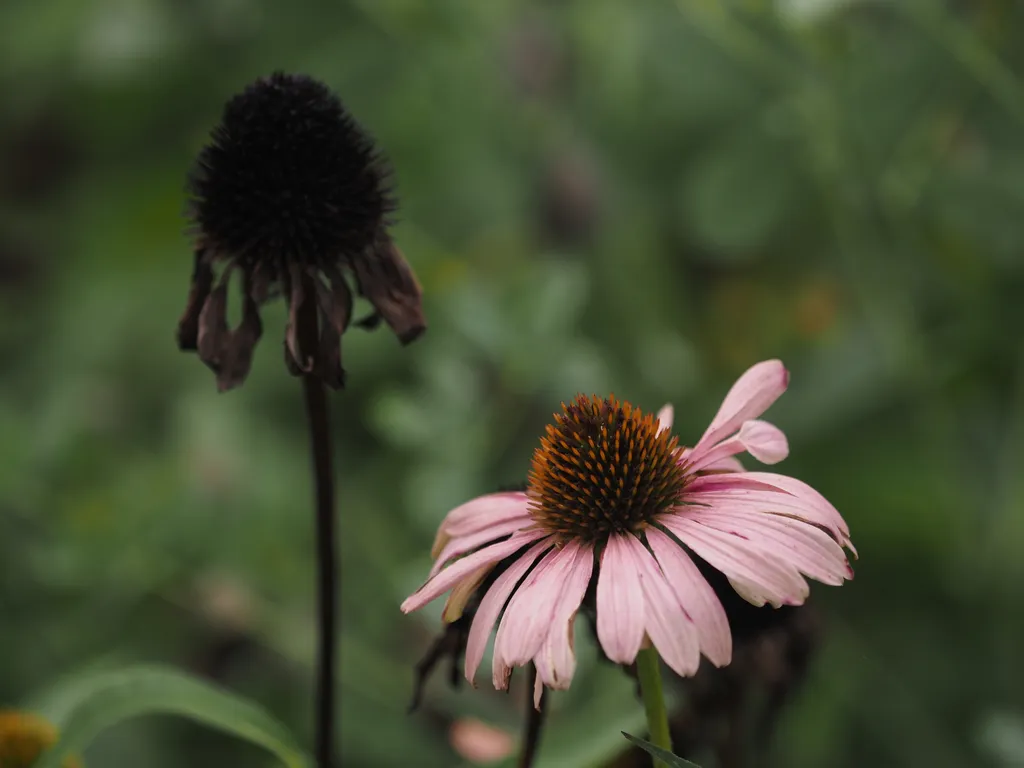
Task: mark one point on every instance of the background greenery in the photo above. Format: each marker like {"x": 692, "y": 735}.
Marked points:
{"x": 598, "y": 196}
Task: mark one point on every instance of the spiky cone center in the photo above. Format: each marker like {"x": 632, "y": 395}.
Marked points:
{"x": 603, "y": 467}
{"x": 24, "y": 737}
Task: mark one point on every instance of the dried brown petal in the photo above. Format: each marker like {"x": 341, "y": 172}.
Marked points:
{"x": 297, "y": 360}
{"x": 213, "y": 325}
{"x": 386, "y": 279}
{"x": 199, "y": 290}
{"x": 241, "y": 343}
{"x": 336, "y": 313}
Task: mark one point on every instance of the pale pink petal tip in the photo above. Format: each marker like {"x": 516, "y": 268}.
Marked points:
{"x": 665, "y": 417}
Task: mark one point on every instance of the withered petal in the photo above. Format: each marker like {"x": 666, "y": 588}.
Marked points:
{"x": 336, "y": 313}
{"x": 213, "y": 327}
{"x": 241, "y": 343}
{"x": 386, "y": 279}
{"x": 199, "y": 290}
{"x": 297, "y": 362}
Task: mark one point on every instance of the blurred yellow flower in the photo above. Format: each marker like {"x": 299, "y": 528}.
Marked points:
{"x": 24, "y": 737}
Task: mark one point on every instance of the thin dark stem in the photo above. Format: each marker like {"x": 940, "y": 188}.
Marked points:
{"x": 534, "y": 723}
{"x": 327, "y": 567}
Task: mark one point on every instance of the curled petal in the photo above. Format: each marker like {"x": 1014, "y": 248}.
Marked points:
{"x": 765, "y": 442}
{"x": 199, "y": 290}
{"x": 386, "y": 279}
{"x": 335, "y": 307}
{"x": 750, "y": 396}
{"x": 239, "y": 344}
{"x": 299, "y": 361}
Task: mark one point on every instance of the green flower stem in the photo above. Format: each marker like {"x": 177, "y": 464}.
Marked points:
{"x": 648, "y": 670}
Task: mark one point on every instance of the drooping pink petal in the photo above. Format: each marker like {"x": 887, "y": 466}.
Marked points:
{"x": 460, "y": 545}
{"x": 620, "y": 602}
{"x": 456, "y": 572}
{"x": 669, "y": 626}
{"x": 776, "y": 582}
{"x": 749, "y": 397}
{"x": 477, "y": 515}
{"x": 665, "y": 417}
{"x": 771, "y": 492}
{"x": 764, "y": 441}
{"x": 556, "y": 662}
{"x": 806, "y": 547}
{"x": 531, "y": 610}
{"x": 695, "y": 595}
{"x": 493, "y": 602}
{"x": 538, "y": 691}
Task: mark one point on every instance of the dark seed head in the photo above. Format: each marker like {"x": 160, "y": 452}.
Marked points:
{"x": 603, "y": 468}
{"x": 288, "y": 176}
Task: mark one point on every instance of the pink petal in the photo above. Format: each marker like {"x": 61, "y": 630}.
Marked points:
{"x": 749, "y": 397}
{"x": 729, "y": 464}
{"x": 493, "y": 602}
{"x": 771, "y": 492}
{"x": 453, "y": 574}
{"x": 538, "y": 691}
{"x": 460, "y": 545}
{"x": 669, "y": 626}
{"x": 806, "y": 547}
{"x": 477, "y": 515}
{"x": 556, "y": 662}
{"x": 765, "y": 442}
{"x": 620, "y": 602}
{"x": 776, "y": 582}
{"x": 695, "y": 595}
{"x": 665, "y": 417}
{"x": 531, "y": 611}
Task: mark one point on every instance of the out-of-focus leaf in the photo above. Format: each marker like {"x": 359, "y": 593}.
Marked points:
{"x": 85, "y": 706}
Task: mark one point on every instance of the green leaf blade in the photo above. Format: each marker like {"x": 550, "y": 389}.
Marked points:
{"x": 83, "y": 708}
{"x": 672, "y": 761}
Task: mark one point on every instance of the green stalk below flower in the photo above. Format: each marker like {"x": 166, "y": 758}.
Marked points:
{"x": 648, "y": 669}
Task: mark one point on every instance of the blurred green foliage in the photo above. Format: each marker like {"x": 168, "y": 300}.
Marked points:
{"x": 598, "y": 196}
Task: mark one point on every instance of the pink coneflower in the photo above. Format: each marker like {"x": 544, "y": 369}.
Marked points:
{"x": 613, "y": 497}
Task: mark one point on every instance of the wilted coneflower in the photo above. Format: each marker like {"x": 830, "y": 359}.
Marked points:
{"x": 24, "y": 737}
{"x": 292, "y": 197}
{"x": 612, "y": 497}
